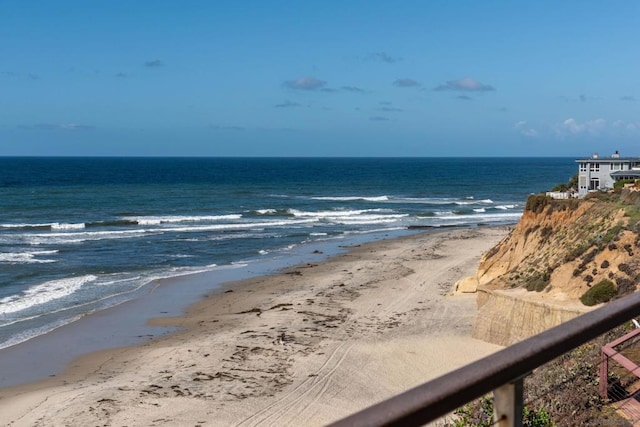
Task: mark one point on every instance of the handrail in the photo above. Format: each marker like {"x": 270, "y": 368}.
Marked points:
{"x": 436, "y": 398}
{"x": 608, "y": 351}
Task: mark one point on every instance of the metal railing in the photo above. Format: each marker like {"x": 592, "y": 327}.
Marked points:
{"x": 501, "y": 372}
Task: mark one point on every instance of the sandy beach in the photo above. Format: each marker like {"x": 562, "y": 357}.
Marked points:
{"x": 304, "y": 347}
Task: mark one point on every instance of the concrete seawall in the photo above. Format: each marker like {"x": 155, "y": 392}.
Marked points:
{"x": 508, "y": 316}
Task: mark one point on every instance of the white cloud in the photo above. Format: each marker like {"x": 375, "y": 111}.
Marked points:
{"x": 525, "y": 130}
{"x": 573, "y": 127}
{"x": 384, "y": 57}
{"x": 467, "y": 84}
{"x": 305, "y": 83}
{"x": 596, "y": 127}
{"x": 630, "y": 127}
{"x": 406, "y": 83}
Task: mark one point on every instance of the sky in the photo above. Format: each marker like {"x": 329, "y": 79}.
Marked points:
{"x": 319, "y": 78}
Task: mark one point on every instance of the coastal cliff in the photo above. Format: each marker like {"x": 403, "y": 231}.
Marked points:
{"x": 560, "y": 250}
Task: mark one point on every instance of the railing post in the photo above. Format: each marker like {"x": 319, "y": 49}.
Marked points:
{"x": 604, "y": 374}
{"x": 507, "y": 404}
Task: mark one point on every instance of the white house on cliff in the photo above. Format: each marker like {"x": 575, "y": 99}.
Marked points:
{"x": 599, "y": 173}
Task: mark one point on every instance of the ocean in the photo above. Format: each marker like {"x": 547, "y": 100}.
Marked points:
{"x": 80, "y": 235}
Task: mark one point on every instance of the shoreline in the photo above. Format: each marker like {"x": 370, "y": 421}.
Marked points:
{"x": 127, "y": 323}
{"x": 310, "y": 344}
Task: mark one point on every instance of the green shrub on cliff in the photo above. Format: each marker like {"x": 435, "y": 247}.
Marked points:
{"x": 601, "y": 292}
{"x": 537, "y": 281}
{"x": 537, "y": 203}
{"x": 573, "y": 182}
{"x": 480, "y": 414}
{"x": 571, "y": 185}
{"x": 563, "y": 392}
{"x": 612, "y": 233}
{"x": 623, "y": 182}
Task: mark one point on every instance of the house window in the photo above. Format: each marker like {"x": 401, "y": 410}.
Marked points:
{"x": 583, "y": 167}
{"x": 616, "y": 166}
{"x": 595, "y": 167}
{"x": 583, "y": 182}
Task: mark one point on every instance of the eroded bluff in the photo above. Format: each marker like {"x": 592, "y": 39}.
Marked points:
{"x": 535, "y": 277}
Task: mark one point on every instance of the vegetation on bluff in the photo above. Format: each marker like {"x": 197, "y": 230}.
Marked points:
{"x": 571, "y": 245}
{"x": 563, "y": 392}
{"x": 572, "y": 185}
{"x": 571, "y": 251}
{"x": 603, "y": 291}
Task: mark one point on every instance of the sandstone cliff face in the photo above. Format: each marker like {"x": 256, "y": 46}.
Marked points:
{"x": 533, "y": 279}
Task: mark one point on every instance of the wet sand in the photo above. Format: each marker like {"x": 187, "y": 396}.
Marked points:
{"x": 303, "y": 347}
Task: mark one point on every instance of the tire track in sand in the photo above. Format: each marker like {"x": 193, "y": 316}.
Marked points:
{"x": 305, "y": 396}
{"x": 271, "y": 413}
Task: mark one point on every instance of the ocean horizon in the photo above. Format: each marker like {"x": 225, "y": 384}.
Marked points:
{"x": 79, "y": 235}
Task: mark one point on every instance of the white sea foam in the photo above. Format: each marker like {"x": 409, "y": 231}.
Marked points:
{"x": 266, "y": 211}
{"x": 480, "y": 210}
{"x": 230, "y": 236}
{"x": 78, "y": 237}
{"x": 32, "y": 333}
{"x": 371, "y": 217}
{"x": 426, "y": 200}
{"x": 505, "y": 207}
{"x": 49, "y": 252}
{"x": 184, "y": 271}
{"x": 351, "y": 217}
{"x": 444, "y": 213}
{"x": 324, "y": 214}
{"x": 241, "y": 225}
{"x": 370, "y": 231}
{"x": 28, "y": 257}
{"x": 48, "y": 224}
{"x": 43, "y": 293}
{"x": 237, "y": 264}
{"x": 107, "y": 281}
{"x": 334, "y": 213}
{"x": 475, "y": 218}
{"x": 67, "y": 226}
{"x": 475, "y": 202}
{"x": 437, "y": 201}
{"x": 353, "y": 198}
{"x": 157, "y": 220}
{"x": 363, "y": 221}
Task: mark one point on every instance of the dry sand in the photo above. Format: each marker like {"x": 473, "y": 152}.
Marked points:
{"x": 301, "y": 348}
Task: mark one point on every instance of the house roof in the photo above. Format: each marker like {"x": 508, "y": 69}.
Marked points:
{"x": 632, "y": 174}
{"x": 609, "y": 159}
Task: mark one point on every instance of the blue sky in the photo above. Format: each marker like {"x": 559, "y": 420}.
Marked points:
{"x": 319, "y": 78}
